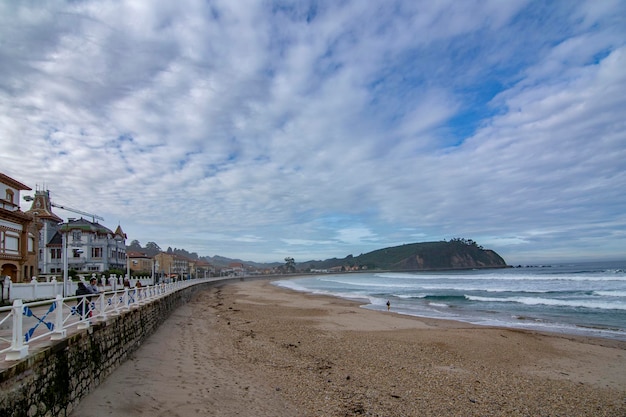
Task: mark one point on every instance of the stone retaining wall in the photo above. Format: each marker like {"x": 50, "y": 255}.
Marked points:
{"x": 52, "y": 382}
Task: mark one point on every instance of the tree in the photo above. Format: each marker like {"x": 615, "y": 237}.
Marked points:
{"x": 290, "y": 264}
{"x": 152, "y": 249}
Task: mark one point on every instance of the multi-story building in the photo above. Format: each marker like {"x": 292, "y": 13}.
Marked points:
{"x": 18, "y": 233}
{"x": 41, "y": 210}
{"x": 140, "y": 262}
{"x": 203, "y": 269}
{"x": 172, "y": 265}
{"x": 90, "y": 246}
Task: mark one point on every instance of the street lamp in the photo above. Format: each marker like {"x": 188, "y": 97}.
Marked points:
{"x": 119, "y": 239}
{"x": 65, "y": 266}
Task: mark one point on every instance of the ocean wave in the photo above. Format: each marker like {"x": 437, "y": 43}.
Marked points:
{"x": 569, "y": 276}
{"x": 485, "y": 289}
{"x": 610, "y": 293}
{"x": 348, "y": 296}
{"x": 410, "y": 296}
{"x": 364, "y": 283}
{"x": 602, "y": 305}
{"x": 439, "y": 305}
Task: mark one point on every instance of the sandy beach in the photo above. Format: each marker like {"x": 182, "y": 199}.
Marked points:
{"x": 250, "y": 348}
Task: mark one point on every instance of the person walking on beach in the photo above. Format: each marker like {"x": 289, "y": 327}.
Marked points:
{"x": 388, "y": 305}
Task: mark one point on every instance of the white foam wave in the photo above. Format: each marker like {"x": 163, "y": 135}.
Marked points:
{"x": 360, "y": 296}
{"x": 610, "y": 293}
{"x": 409, "y": 296}
{"x": 439, "y": 305}
{"x": 607, "y": 276}
{"x": 365, "y": 283}
{"x": 603, "y": 305}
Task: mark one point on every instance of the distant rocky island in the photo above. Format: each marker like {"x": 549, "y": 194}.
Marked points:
{"x": 453, "y": 254}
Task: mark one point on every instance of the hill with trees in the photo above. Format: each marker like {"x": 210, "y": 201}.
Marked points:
{"x": 454, "y": 254}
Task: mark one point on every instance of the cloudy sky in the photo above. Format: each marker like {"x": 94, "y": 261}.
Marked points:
{"x": 315, "y": 129}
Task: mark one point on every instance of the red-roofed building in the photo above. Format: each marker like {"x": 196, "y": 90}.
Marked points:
{"x": 19, "y": 233}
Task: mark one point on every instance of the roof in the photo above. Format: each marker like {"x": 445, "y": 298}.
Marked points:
{"x": 42, "y": 207}
{"x": 135, "y": 254}
{"x": 85, "y": 226}
{"x": 5, "y": 179}
{"x": 120, "y": 232}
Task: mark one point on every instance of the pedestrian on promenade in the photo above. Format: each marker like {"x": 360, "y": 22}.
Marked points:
{"x": 93, "y": 286}
{"x": 82, "y": 291}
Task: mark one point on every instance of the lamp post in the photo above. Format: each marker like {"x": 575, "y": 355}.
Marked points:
{"x": 65, "y": 263}
{"x": 119, "y": 239}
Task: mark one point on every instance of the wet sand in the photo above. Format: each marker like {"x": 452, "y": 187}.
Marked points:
{"x": 253, "y": 349}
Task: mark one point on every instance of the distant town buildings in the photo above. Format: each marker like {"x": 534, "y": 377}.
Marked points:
{"x": 37, "y": 243}
{"x": 34, "y": 243}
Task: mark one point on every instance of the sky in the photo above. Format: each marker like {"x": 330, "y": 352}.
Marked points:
{"x": 259, "y": 130}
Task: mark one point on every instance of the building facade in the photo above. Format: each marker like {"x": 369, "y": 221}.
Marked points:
{"x": 90, "y": 247}
{"x": 140, "y": 263}
{"x": 19, "y": 232}
{"x": 41, "y": 210}
{"x": 171, "y": 265}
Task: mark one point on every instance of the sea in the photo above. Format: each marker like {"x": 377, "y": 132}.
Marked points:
{"x": 586, "y": 299}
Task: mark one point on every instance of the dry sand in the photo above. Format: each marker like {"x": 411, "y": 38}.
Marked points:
{"x": 252, "y": 349}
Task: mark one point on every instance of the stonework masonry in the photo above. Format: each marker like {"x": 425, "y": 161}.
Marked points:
{"x": 52, "y": 381}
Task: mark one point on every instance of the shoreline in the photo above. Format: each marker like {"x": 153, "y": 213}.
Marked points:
{"x": 251, "y": 348}
{"x": 485, "y": 318}
{"x": 598, "y": 339}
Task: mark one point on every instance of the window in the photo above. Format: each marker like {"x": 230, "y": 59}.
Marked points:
{"x": 10, "y": 195}
{"x": 56, "y": 253}
{"x": 96, "y": 252}
{"x": 76, "y": 236}
{"x": 11, "y": 243}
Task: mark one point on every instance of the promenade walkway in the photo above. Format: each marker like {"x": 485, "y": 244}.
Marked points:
{"x": 30, "y": 327}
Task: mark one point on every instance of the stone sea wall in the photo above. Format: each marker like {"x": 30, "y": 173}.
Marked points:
{"x": 52, "y": 381}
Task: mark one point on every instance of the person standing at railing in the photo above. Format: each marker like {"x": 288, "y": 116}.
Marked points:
{"x": 93, "y": 286}
{"x": 82, "y": 306}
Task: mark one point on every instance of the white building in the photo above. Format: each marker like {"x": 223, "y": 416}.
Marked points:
{"x": 91, "y": 247}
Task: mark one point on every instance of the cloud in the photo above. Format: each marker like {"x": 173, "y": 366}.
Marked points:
{"x": 355, "y": 235}
{"x": 248, "y": 128}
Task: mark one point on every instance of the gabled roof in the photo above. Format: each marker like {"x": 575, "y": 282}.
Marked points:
{"x": 85, "y": 226}
{"x": 5, "y": 179}
{"x": 119, "y": 232}
{"x": 42, "y": 207}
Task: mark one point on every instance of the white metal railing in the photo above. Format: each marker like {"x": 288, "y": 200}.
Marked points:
{"x": 22, "y": 324}
{"x": 50, "y": 288}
